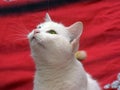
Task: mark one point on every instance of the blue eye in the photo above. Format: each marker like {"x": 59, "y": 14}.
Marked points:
{"x": 52, "y": 31}
{"x": 38, "y": 27}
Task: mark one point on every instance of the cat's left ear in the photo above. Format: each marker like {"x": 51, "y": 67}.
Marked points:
{"x": 47, "y": 18}
{"x": 75, "y": 31}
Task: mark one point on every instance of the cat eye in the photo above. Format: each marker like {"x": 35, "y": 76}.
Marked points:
{"x": 52, "y": 31}
{"x": 38, "y": 26}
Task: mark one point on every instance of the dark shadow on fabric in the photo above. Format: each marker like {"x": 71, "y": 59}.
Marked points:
{"x": 36, "y": 6}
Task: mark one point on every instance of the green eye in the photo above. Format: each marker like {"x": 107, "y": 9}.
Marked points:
{"x": 52, "y": 32}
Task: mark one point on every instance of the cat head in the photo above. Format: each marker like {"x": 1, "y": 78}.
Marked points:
{"x": 53, "y": 43}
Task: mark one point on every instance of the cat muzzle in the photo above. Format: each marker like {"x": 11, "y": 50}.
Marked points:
{"x": 36, "y": 31}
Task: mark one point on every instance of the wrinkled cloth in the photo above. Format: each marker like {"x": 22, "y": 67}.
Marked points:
{"x": 100, "y": 39}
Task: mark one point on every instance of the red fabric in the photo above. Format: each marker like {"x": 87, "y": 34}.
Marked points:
{"x": 101, "y": 40}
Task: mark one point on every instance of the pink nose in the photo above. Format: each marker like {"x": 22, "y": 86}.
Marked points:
{"x": 36, "y": 31}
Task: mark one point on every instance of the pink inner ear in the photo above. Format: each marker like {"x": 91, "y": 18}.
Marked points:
{"x": 76, "y": 29}
{"x": 47, "y": 18}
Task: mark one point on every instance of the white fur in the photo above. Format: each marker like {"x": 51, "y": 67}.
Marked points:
{"x": 53, "y": 54}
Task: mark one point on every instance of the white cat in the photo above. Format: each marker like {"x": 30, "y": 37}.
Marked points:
{"x": 52, "y": 47}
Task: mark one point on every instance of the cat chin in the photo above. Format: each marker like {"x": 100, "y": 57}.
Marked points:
{"x": 34, "y": 43}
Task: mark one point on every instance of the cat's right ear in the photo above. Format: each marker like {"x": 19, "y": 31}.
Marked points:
{"x": 47, "y": 18}
{"x": 75, "y": 31}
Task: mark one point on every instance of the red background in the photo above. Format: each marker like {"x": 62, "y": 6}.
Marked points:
{"x": 100, "y": 39}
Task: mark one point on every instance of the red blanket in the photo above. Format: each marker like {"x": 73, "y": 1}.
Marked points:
{"x": 100, "y": 39}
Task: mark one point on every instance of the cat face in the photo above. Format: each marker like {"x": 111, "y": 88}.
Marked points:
{"x": 53, "y": 42}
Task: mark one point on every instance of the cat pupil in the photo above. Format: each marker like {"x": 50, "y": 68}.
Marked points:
{"x": 52, "y": 31}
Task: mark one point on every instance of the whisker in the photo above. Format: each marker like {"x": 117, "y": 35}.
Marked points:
{"x": 21, "y": 32}
{"x": 17, "y": 37}
{"x": 20, "y": 39}
{"x": 24, "y": 35}
{"x": 24, "y": 27}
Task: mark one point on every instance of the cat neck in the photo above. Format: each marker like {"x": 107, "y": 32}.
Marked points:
{"x": 55, "y": 76}
{"x": 43, "y": 65}
{"x": 56, "y": 71}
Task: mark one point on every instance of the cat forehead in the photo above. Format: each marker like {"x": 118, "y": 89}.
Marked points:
{"x": 51, "y": 25}
{"x": 59, "y": 28}
{"x": 54, "y": 26}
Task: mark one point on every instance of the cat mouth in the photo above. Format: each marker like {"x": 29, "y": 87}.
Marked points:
{"x": 33, "y": 38}
{"x": 37, "y": 41}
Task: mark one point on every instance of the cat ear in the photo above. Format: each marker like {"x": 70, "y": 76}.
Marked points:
{"x": 47, "y": 18}
{"x": 75, "y": 31}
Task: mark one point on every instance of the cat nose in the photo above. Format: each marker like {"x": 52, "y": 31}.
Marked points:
{"x": 36, "y": 31}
